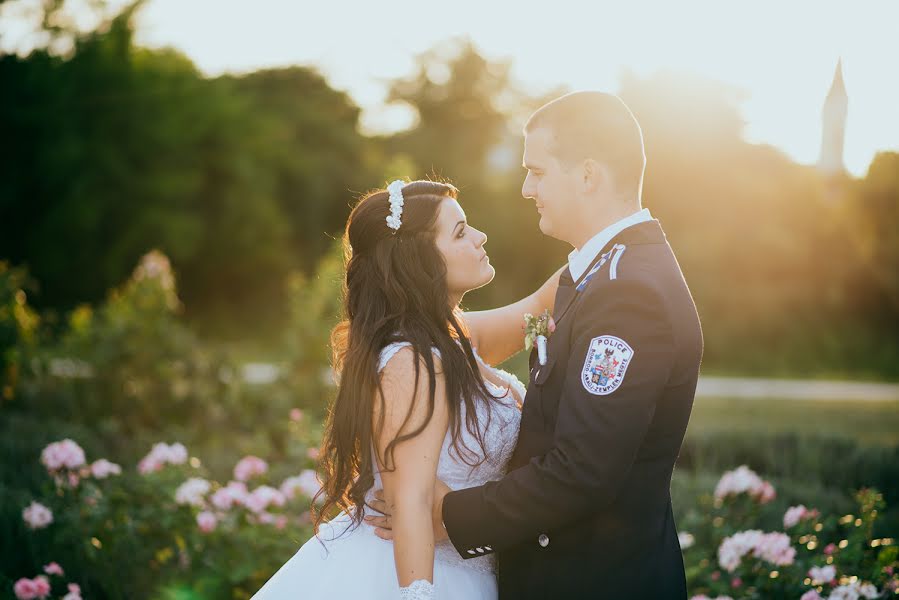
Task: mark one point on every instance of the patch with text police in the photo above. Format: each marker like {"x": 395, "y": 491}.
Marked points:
{"x": 605, "y": 365}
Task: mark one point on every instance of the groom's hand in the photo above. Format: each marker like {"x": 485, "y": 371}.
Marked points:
{"x": 383, "y": 525}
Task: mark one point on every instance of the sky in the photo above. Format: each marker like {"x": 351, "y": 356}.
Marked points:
{"x": 781, "y": 53}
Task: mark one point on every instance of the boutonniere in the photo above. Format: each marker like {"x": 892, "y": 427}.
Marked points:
{"x": 536, "y": 331}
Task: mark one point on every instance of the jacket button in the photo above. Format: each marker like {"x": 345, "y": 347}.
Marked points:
{"x": 543, "y": 540}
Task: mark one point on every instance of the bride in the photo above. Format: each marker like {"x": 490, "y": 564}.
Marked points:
{"x": 418, "y": 401}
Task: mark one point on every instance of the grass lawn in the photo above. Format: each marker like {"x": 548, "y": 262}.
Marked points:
{"x": 867, "y": 422}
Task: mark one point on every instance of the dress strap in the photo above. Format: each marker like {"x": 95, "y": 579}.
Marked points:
{"x": 390, "y": 350}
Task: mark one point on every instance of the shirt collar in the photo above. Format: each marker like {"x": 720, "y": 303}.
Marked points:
{"x": 579, "y": 260}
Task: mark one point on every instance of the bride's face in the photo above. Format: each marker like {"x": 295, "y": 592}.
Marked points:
{"x": 462, "y": 246}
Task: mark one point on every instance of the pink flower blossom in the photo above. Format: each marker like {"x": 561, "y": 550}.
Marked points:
{"x": 263, "y": 497}
{"x": 766, "y": 494}
{"x": 249, "y": 466}
{"x": 822, "y": 575}
{"x": 74, "y": 592}
{"x": 25, "y": 589}
{"x": 744, "y": 480}
{"x": 772, "y": 547}
{"x": 736, "y": 582}
{"x": 798, "y": 513}
{"x": 101, "y": 469}
{"x": 37, "y": 516}
{"x": 192, "y": 492}
{"x": 53, "y": 569}
{"x": 65, "y": 454}
{"x": 830, "y": 549}
{"x": 296, "y": 414}
{"x": 160, "y": 455}
{"x": 222, "y": 499}
{"x": 313, "y": 453}
{"x": 206, "y": 521}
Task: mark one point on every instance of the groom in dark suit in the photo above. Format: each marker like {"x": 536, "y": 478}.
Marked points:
{"x": 585, "y": 509}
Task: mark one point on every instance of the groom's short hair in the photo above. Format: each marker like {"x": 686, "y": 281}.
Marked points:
{"x": 594, "y": 125}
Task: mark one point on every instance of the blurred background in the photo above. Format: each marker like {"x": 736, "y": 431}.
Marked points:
{"x": 176, "y": 175}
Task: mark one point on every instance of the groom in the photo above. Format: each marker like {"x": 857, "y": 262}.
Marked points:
{"x": 585, "y": 509}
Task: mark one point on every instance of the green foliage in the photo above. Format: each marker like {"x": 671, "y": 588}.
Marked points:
{"x": 833, "y": 464}
{"x": 824, "y": 536}
{"x": 18, "y": 328}
{"x": 129, "y": 365}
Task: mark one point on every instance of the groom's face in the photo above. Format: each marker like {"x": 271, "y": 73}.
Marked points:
{"x": 552, "y": 186}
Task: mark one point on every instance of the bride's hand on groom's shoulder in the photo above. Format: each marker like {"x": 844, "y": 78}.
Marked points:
{"x": 382, "y": 524}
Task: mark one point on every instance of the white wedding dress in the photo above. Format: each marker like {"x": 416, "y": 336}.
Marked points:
{"x": 342, "y": 562}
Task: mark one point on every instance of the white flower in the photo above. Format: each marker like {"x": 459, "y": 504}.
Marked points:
{"x": 822, "y": 575}
{"x": 686, "y": 540}
{"x": 395, "y": 190}
{"x": 868, "y": 590}
{"x": 744, "y": 480}
{"x": 192, "y": 491}
{"x": 37, "y": 515}
{"x": 102, "y": 468}
{"x": 844, "y": 592}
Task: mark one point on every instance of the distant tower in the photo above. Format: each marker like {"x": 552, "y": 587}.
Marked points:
{"x": 833, "y": 125}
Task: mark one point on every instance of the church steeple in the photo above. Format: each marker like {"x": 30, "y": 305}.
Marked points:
{"x": 833, "y": 125}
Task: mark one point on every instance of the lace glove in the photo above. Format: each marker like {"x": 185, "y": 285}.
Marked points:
{"x": 420, "y": 589}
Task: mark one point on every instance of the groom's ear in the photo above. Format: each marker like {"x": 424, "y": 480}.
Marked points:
{"x": 594, "y": 175}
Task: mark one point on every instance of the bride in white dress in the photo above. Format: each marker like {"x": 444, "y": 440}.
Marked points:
{"x": 414, "y": 395}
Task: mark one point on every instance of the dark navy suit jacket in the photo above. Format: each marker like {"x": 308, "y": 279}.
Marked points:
{"x": 585, "y": 509}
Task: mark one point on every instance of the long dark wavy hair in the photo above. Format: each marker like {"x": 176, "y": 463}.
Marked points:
{"x": 395, "y": 289}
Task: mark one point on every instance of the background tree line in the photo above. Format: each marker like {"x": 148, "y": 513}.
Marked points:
{"x": 112, "y": 149}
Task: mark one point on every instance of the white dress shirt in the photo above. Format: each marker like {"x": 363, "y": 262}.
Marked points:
{"x": 579, "y": 260}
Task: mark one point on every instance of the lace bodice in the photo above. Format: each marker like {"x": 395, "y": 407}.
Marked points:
{"x": 499, "y": 430}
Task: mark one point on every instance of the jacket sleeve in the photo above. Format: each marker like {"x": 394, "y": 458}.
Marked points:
{"x": 599, "y": 428}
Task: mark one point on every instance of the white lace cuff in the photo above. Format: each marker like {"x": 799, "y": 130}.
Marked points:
{"x": 420, "y": 589}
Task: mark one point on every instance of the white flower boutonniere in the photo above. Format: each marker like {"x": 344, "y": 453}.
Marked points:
{"x": 537, "y": 331}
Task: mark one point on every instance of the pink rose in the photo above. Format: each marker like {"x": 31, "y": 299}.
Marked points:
{"x": 53, "y": 569}
{"x": 206, "y": 521}
{"x": 64, "y": 454}
{"x": 42, "y": 586}
{"x": 24, "y": 589}
{"x": 101, "y": 469}
{"x": 736, "y": 582}
{"x": 830, "y": 549}
{"x": 262, "y": 497}
{"x": 160, "y": 455}
{"x": 766, "y": 494}
{"x": 37, "y": 516}
{"x": 249, "y": 466}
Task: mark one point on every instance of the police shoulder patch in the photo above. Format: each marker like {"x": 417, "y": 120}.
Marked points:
{"x": 607, "y": 360}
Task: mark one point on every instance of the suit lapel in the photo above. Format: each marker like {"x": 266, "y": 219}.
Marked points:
{"x": 648, "y": 232}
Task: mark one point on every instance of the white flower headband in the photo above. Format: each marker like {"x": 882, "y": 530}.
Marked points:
{"x": 395, "y": 189}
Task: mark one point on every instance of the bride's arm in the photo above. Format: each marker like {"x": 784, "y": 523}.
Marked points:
{"x": 409, "y": 479}
{"x": 498, "y": 333}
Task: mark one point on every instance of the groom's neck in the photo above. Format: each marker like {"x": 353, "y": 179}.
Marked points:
{"x": 605, "y": 215}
